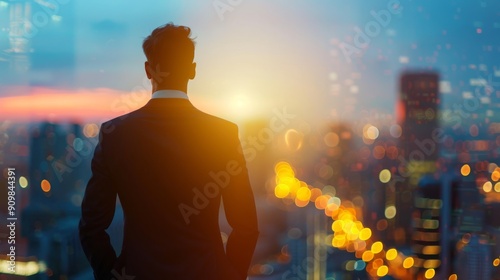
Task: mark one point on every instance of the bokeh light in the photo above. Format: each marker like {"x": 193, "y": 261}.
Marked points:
{"x": 331, "y": 139}
{"x": 497, "y": 187}
{"x": 430, "y": 273}
{"x": 408, "y": 262}
{"x": 382, "y": 271}
{"x": 365, "y": 234}
{"x": 281, "y": 190}
{"x": 23, "y": 182}
{"x": 377, "y": 247}
{"x": 465, "y": 170}
{"x": 495, "y": 175}
{"x": 90, "y": 130}
{"x": 395, "y": 131}
{"x": 294, "y": 139}
{"x": 487, "y": 186}
{"x": 390, "y": 212}
{"x": 45, "y": 185}
{"x": 370, "y": 132}
{"x": 367, "y": 256}
{"x": 384, "y": 176}
{"x": 391, "y": 254}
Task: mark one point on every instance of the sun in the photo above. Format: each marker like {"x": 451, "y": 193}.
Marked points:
{"x": 241, "y": 106}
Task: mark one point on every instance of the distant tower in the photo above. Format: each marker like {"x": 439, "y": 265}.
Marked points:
{"x": 474, "y": 260}
{"x": 434, "y": 232}
{"x": 37, "y": 37}
{"x": 59, "y": 169}
{"x": 15, "y": 61}
{"x": 427, "y": 219}
{"x": 417, "y": 114}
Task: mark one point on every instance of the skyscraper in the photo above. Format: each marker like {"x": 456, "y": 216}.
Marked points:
{"x": 417, "y": 114}
{"x": 14, "y": 46}
{"x": 474, "y": 260}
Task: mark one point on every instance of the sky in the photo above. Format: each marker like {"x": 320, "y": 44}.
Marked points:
{"x": 252, "y": 56}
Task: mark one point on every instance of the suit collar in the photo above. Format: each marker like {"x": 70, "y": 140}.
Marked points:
{"x": 169, "y": 93}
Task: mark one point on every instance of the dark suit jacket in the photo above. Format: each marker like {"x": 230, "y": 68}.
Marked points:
{"x": 170, "y": 164}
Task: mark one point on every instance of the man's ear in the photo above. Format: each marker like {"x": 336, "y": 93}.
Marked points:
{"x": 147, "y": 68}
{"x": 192, "y": 71}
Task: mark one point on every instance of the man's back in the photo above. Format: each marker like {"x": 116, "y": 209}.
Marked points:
{"x": 170, "y": 164}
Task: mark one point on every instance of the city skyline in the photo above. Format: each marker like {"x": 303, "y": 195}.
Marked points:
{"x": 310, "y": 57}
{"x": 371, "y": 130}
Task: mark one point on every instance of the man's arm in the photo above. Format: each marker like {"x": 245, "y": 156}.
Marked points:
{"x": 98, "y": 209}
{"x": 239, "y": 206}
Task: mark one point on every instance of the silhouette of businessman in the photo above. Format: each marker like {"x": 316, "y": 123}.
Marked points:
{"x": 170, "y": 165}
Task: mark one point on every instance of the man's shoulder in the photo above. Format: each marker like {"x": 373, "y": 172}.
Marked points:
{"x": 212, "y": 120}
{"x": 218, "y": 120}
{"x": 111, "y": 125}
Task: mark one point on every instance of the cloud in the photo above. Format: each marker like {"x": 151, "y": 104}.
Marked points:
{"x": 45, "y": 103}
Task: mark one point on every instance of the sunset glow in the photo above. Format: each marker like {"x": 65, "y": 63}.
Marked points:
{"x": 40, "y": 103}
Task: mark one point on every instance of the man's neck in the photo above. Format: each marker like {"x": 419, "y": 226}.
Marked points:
{"x": 182, "y": 88}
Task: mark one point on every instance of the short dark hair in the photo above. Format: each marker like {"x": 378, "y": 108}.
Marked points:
{"x": 169, "y": 48}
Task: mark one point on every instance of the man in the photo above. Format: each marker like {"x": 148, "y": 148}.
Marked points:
{"x": 170, "y": 165}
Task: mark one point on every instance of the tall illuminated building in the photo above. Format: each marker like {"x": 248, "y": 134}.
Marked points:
{"x": 14, "y": 45}
{"x": 474, "y": 260}
{"x": 37, "y": 42}
{"x": 432, "y": 233}
{"x": 59, "y": 169}
{"x": 417, "y": 114}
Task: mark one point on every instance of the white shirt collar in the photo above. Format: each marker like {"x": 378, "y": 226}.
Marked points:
{"x": 169, "y": 93}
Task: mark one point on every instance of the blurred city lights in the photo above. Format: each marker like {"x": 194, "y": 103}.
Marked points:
{"x": 331, "y": 139}
{"x": 23, "y": 182}
{"x": 495, "y": 175}
{"x": 90, "y": 130}
{"x": 390, "y": 212}
{"x": 391, "y": 254}
{"x": 384, "y": 176}
{"x": 487, "y": 186}
{"x": 293, "y": 139}
{"x": 370, "y": 132}
{"x": 408, "y": 262}
{"x": 395, "y": 131}
{"x": 367, "y": 256}
{"x": 377, "y": 247}
{"x": 465, "y": 170}
{"x": 430, "y": 273}
{"x": 355, "y": 204}
{"x": 23, "y": 268}
{"x": 329, "y": 190}
{"x": 281, "y": 190}
{"x": 497, "y": 187}
{"x": 45, "y": 185}
{"x": 350, "y": 234}
{"x": 492, "y": 166}
{"x": 78, "y": 144}
{"x": 304, "y": 193}
{"x": 382, "y": 271}
{"x": 365, "y": 234}
{"x": 359, "y": 265}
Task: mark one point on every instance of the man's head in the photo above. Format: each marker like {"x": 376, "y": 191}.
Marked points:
{"x": 170, "y": 52}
